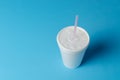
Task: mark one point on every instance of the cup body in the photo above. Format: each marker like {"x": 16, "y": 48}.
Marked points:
{"x": 71, "y": 58}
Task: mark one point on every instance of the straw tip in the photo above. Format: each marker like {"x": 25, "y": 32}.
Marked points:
{"x": 77, "y": 15}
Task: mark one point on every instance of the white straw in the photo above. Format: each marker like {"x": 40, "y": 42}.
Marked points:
{"x": 76, "y": 23}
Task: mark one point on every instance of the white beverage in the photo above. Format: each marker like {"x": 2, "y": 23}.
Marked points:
{"x": 73, "y": 45}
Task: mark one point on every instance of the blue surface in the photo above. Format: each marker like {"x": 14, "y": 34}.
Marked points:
{"x": 28, "y": 48}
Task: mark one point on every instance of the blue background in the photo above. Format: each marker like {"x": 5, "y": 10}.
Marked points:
{"x": 28, "y": 48}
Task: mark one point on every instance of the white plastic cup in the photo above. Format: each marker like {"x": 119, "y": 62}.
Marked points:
{"x": 72, "y": 58}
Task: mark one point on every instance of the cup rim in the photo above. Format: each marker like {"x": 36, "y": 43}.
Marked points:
{"x": 75, "y": 50}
